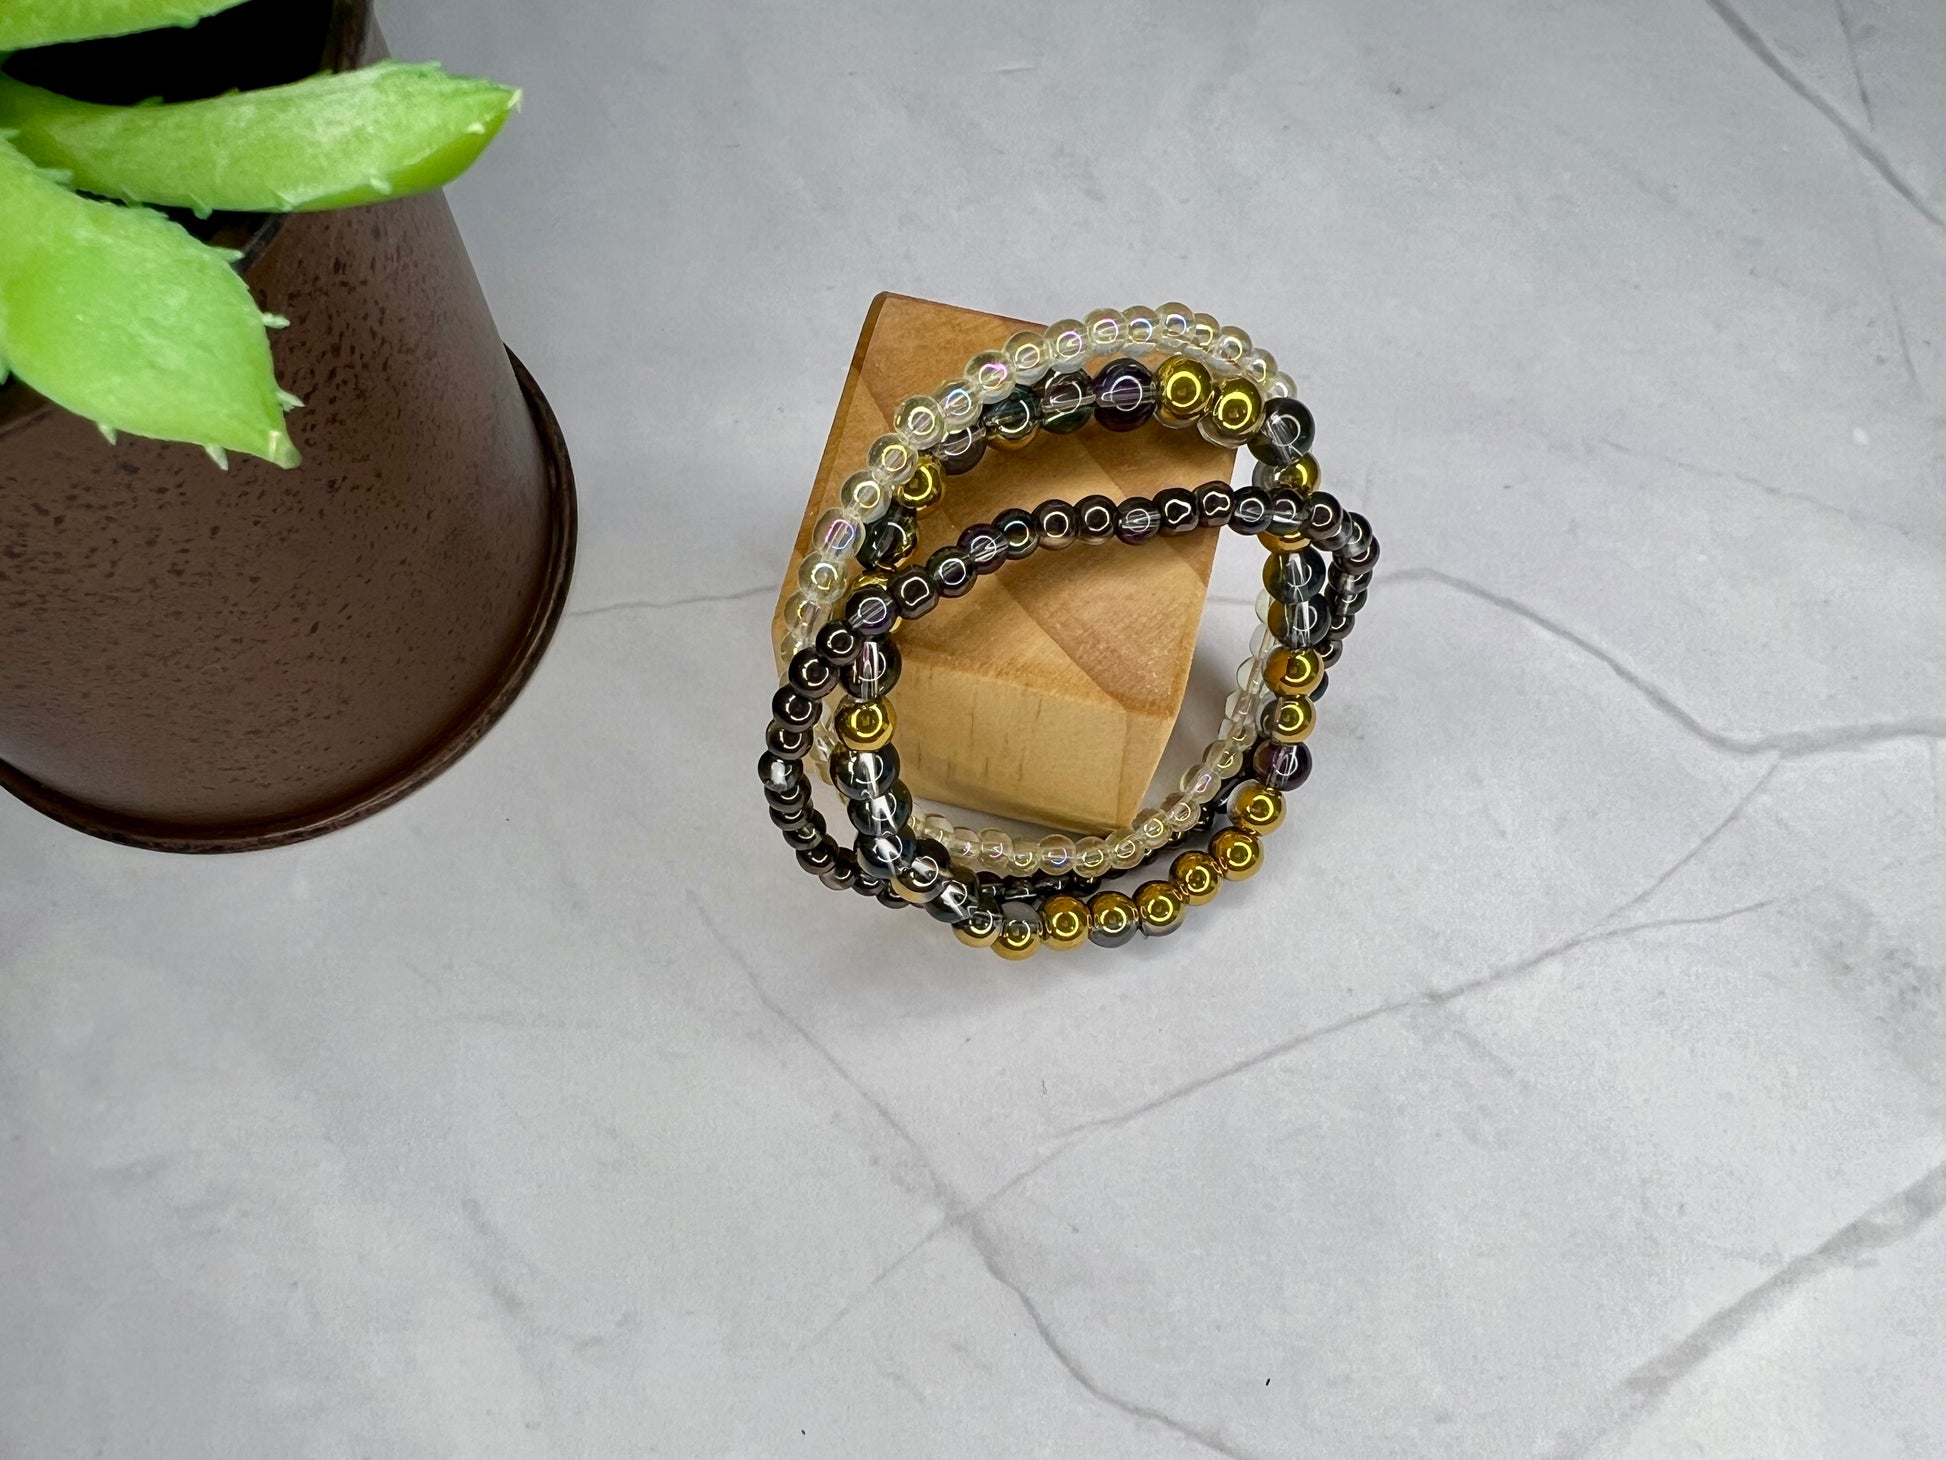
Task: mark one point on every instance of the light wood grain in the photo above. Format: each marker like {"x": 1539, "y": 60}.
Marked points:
{"x": 1048, "y": 692}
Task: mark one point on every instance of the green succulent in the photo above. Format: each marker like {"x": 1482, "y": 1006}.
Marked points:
{"x": 117, "y": 313}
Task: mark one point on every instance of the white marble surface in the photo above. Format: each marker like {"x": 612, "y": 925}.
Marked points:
{"x": 1573, "y": 1084}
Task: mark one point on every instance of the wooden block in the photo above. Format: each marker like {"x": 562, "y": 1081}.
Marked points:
{"x": 1049, "y": 691}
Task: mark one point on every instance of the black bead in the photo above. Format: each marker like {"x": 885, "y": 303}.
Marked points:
{"x": 1281, "y": 767}
{"x": 875, "y": 671}
{"x": 1017, "y": 531}
{"x": 1291, "y": 577}
{"x": 1285, "y": 433}
{"x": 1324, "y": 521}
{"x": 1094, "y": 518}
{"x": 1214, "y": 503}
{"x": 1013, "y": 420}
{"x": 926, "y": 876}
{"x": 843, "y": 871}
{"x": 1067, "y": 401}
{"x": 1249, "y": 511}
{"x": 806, "y": 833}
{"x": 1348, "y": 603}
{"x": 887, "y": 855}
{"x": 867, "y": 885}
{"x": 961, "y": 451}
{"x": 811, "y": 674}
{"x": 786, "y": 817}
{"x": 1363, "y": 557}
{"x": 798, "y": 795}
{"x": 788, "y": 742}
{"x": 1328, "y": 654}
{"x": 952, "y": 572}
{"x": 984, "y": 546}
{"x": 955, "y": 902}
{"x": 1178, "y": 509}
{"x": 912, "y": 589}
{"x": 858, "y": 774}
{"x": 890, "y": 540}
{"x": 1301, "y": 625}
{"x": 1341, "y": 622}
{"x": 793, "y": 708}
{"x": 1054, "y": 521}
{"x": 1136, "y": 520}
{"x": 870, "y": 612}
{"x": 1286, "y": 513}
{"x": 1265, "y": 475}
{"x": 883, "y": 814}
{"x": 1125, "y": 395}
{"x": 777, "y": 773}
{"x": 838, "y": 642}
{"x": 889, "y": 897}
{"x": 1317, "y": 690}
{"x": 818, "y": 858}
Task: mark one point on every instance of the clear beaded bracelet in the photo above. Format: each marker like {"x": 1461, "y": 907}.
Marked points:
{"x": 1214, "y": 379}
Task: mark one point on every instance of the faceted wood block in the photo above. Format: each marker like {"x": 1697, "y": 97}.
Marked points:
{"x": 1049, "y": 691}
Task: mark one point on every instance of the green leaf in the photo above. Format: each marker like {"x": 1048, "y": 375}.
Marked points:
{"x": 332, "y": 141}
{"x": 119, "y": 315}
{"x": 25, "y": 23}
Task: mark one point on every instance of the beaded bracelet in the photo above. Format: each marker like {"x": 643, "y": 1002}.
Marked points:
{"x": 1233, "y": 393}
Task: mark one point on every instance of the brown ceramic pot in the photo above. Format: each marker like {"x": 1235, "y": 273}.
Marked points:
{"x": 198, "y": 660}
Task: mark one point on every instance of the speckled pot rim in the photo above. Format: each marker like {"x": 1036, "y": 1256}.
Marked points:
{"x": 465, "y": 733}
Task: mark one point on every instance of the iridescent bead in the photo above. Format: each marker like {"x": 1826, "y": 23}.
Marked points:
{"x": 1125, "y": 851}
{"x": 1202, "y": 332}
{"x": 1139, "y": 326}
{"x": 1200, "y": 784}
{"x": 837, "y": 535}
{"x": 1257, "y": 367}
{"x": 1125, "y": 395}
{"x": 1229, "y": 347}
{"x": 1279, "y": 385}
{"x": 1237, "y": 852}
{"x": 921, "y": 491}
{"x": 1257, "y": 808}
{"x": 1224, "y": 758}
{"x": 1112, "y": 919}
{"x": 1067, "y": 345}
{"x": 1027, "y": 358}
{"x": 1234, "y": 413}
{"x": 980, "y": 928}
{"x": 989, "y": 375}
{"x": 1179, "y": 813}
{"x": 1198, "y": 877}
{"x": 1057, "y": 855}
{"x": 1091, "y": 857}
{"x": 1151, "y": 827}
{"x": 1064, "y": 922}
{"x": 1184, "y": 389}
{"x": 935, "y": 827}
{"x": 801, "y": 613}
{"x": 1020, "y": 937}
{"x": 919, "y": 420}
{"x": 1161, "y": 907}
{"x": 1026, "y": 858}
{"x": 1175, "y": 326}
{"x": 865, "y": 724}
{"x": 996, "y": 850}
{"x": 891, "y": 460}
{"x": 1104, "y": 330}
{"x": 864, "y": 496}
{"x": 820, "y": 579}
{"x": 962, "y": 845}
{"x": 1067, "y": 402}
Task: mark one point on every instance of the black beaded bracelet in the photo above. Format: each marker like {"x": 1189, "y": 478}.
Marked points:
{"x": 1006, "y": 399}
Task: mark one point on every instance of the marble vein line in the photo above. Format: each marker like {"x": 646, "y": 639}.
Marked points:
{"x": 1859, "y": 142}
{"x": 959, "y": 1212}
{"x": 656, "y": 603}
{"x": 1889, "y": 1222}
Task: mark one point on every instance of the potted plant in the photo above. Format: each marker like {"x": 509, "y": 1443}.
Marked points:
{"x": 226, "y": 621}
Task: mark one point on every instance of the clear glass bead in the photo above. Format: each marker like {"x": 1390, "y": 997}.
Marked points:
{"x": 1067, "y": 345}
{"x": 1026, "y": 858}
{"x": 1264, "y": 644}
{"x": 1223, "y": 758}
{"x": 837, "y": 535}
{"x": 1180, "y": 810}
{"x": 1257, "y": 367}
{"x": 1199, "y": 784}
{"x": 864, "y": 496}
{"x": 1139, "y": 327}
{"x": 933, "y": 825}
{"x": 1202, "y": 332}
{"x": 793, "y": 643}
{"x": 1279, "y": 385}
{"x": 892, "y": 461}
{"x": 1263, "y": 606}
{"x": 820, "y": 580}
{"x": 919, "y": 421}
{"x": 1125, "y": 850}
{"x": 1057, "y": 854}
{"x": 990, "y": 376}
{"x": 1026, "y": 356}
{"x": 996, "y": 850}
{"x": 1091, "y": 856}
{"x": 1104, "y": 329}
{"x": 1250, "y": 675}
{"x": 959, "y": 403}
{"x": 1175, "y": 326}
{"x": 801, "y": 613}
{"x": 1230, "y": 346}
{"x": 1151, "y": 826}
{"x": 963, "y": 846}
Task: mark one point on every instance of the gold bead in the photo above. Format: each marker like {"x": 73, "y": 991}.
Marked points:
{"x": 1115, "y": 918}
{"x": 1257, "y": 808}
{"x": 1184, "y": 390}
{"x": 1237, "y": 852}
{"x": 1197, "y": 877}
{"x": 1302, "y": 474}
{"x": 1291, "y": 720}
{"x": 1293, "y": 671}
{"x": 1064, "y": 920}
{"x": 871, "y": 578}
{"x": 980, "y": 929}
{"x": 1018, "y": 939}
{"x": 1162, "y": 907}
{"x": 922, "y": 490}
{"x": 1295, "y": 543}
{"x": 865, "y": 724}
{"x": 1237, "y": 409}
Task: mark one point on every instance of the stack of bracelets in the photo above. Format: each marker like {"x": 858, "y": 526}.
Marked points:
{"x": 854, "y": 589}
